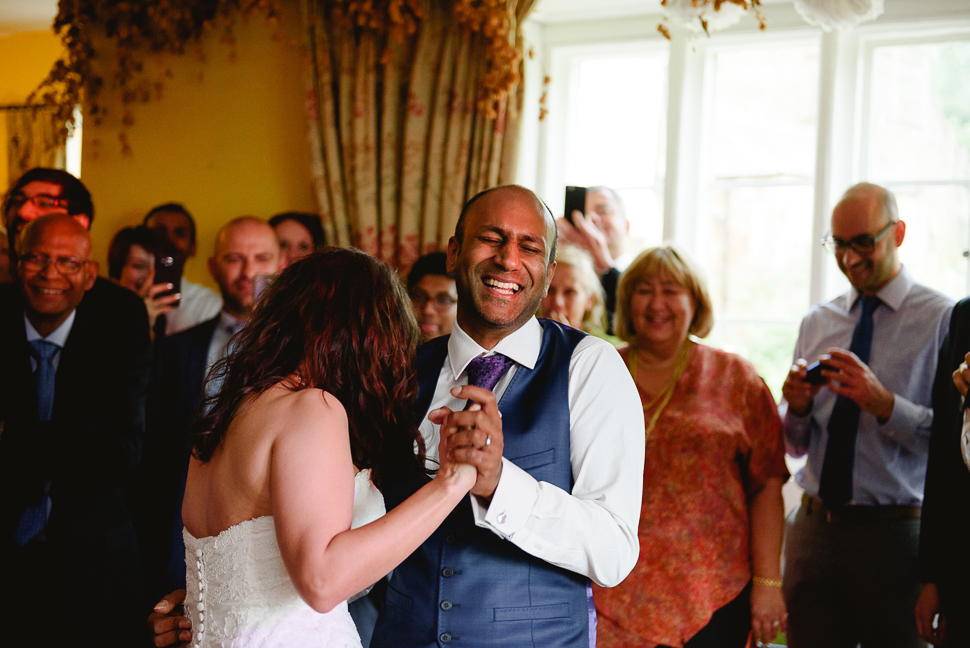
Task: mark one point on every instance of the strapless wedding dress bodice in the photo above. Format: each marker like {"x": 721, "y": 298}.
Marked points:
{"x": 239, "y": 595}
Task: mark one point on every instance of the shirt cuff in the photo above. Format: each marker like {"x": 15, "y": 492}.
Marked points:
{"x": 908, "y": 421}
{"x": 511, "y": 504}
{"x": 797, "y": 432}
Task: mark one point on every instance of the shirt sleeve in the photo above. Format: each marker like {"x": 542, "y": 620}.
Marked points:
{"x": 797, "y": 429}
{"x": 909, "y": 425}
{"x": 763, "y": 429}
{"x": 593, "y": 530}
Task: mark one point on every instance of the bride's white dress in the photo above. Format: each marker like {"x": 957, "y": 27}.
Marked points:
{"x": 239, "y": 595}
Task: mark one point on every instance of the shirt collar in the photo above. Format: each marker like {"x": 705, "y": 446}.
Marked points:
{"x": 522, "y": 346}
{"x": 58, "y": 336}
{"x": 892, "y": 294}
{"x": 228, "y": 322}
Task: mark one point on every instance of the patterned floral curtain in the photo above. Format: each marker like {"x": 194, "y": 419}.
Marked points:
{"x": 400, "y": 144}
{"x": 30, "y": 141}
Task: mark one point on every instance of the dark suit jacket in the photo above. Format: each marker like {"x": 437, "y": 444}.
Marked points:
{"x": 944, "y": 536}
{"x": 86, "y": 451}
{"x": 174, "y": 396}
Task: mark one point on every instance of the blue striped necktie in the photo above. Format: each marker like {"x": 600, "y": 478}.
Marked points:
{"x": 34, "y": 518}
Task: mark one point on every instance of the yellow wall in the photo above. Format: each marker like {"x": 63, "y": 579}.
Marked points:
{"x": 25, "y": 59}
{"x": 227, "y": 138}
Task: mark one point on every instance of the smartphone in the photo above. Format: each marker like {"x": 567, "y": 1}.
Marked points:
{"x": 168, "y": 269}
{"x": 260, "y": 283}
{"x": 814, "y": 373}
{"x": 575, "y": 201}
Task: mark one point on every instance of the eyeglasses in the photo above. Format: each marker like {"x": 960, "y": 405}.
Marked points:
{"x": 41, "y": 201}
{"x": 442, "y": 301}
{"x": 863, "y": 245}
{"x": 65, "y": 265}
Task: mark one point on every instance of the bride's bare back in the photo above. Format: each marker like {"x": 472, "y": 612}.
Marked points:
{"x": 235, "y": 484}
{"x": 287, "y": 454}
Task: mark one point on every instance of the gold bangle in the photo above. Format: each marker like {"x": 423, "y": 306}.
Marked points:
{"x": 768, "y": 582}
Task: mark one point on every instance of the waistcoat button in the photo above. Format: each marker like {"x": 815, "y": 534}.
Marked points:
{"x": 446, "y": 605}
{"x": 444, "y": 637}
{"x": 447, "y": 572}
{"x": 450, "y": 539}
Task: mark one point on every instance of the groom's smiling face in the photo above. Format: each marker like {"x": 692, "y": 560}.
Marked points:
{"x": 501, "y": 265}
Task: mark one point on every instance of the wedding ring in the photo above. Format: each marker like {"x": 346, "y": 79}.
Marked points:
{"x": 488, "y": 440}
{"x": 776, "y": 623}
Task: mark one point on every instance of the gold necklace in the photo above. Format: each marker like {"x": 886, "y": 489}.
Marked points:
{"x": 664, "y": 395}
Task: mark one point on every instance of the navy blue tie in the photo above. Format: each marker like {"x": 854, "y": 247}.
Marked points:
{"x": 34, "y": 518}
{"x": 835, "y": 484}
{"x": 44, "y": 353}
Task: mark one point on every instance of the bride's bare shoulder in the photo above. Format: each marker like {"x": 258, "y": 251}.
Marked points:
{"x": 313, "y": 407}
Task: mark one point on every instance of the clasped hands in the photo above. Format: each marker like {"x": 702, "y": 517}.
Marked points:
{"x": 848, "y": 376}
{"x": 474, "y": 437}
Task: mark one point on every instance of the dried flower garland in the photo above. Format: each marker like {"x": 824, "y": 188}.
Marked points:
{"x": 699, "y": 14}
{"x": 134, "y": 29}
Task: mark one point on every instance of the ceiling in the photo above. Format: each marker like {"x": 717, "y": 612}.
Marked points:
{"x": 26, "y": 15}
{"x": 32, "y": 15}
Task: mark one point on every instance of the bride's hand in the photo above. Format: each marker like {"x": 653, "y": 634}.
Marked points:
{"x": 462, "y": 474}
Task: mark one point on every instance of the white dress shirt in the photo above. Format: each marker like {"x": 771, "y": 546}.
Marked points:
{"x": 198, "y": 304}
{"x": 58, "y": 336}
{"x": 890, "y": 456}
{"x": 593, "y": 530}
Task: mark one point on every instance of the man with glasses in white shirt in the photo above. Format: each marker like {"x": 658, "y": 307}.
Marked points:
{"x": 863, "y": 419}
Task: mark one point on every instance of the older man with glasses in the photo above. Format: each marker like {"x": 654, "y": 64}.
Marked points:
{"x": 863, "y": 419}
{"x": 72, "y": 415}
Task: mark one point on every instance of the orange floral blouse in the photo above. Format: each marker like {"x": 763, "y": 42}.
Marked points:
{"x": 716, "y": 443}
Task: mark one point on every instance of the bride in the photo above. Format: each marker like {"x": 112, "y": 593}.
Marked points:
{"x": 316, "y": 397}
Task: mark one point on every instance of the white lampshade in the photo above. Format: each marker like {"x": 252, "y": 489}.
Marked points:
{"x": 838, "y": 14}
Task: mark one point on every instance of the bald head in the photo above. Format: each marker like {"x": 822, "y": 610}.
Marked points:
{"x": 867, "y": 232}
{"x": 55, "y": 269}
{"x": 60, "y": 225}
{"x": 245, "y": 247}
{"x": 520, "y": 193}
{"x": 873, "y": 195}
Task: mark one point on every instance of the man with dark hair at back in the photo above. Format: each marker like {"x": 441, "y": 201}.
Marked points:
{"x": 433, "y": 295}
{"x": 43, "y": 191}
{"x": 72, "y": 413}
{"x": 196, "y": 304}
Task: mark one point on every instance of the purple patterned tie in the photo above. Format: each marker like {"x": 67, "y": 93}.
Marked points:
{"x": 485, "y": 372}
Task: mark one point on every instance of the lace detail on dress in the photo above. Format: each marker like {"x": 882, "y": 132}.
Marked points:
{"x": 240, "y": 595}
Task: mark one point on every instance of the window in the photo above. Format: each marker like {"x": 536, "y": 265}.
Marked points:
{"x": 612, "y": 131}
{"x": 756, "y": 220}
{"x": 918, "y": 145}
{"x": 739, "y": 145}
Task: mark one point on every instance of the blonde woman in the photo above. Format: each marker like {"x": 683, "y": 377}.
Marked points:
{"x": 575, "y": 296}
{"x": 712, "y": 515}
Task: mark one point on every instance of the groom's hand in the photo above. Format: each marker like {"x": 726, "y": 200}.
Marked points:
{"x": 168, "y": 626}
{"x": 476, "y": 438}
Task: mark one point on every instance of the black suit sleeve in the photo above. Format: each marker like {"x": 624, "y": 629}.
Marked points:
{"x": 947, "y": 494}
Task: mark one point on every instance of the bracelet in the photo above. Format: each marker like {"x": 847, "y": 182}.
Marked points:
{"x": 767, "y": 582}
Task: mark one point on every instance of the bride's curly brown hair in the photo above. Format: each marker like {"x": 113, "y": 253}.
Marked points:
{"x": 340, "y": 321}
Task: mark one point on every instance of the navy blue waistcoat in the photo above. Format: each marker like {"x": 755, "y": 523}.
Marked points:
{"x": 466, "y": 586}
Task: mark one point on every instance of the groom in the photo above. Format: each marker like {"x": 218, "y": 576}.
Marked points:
{"x": 555, "y": 430}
